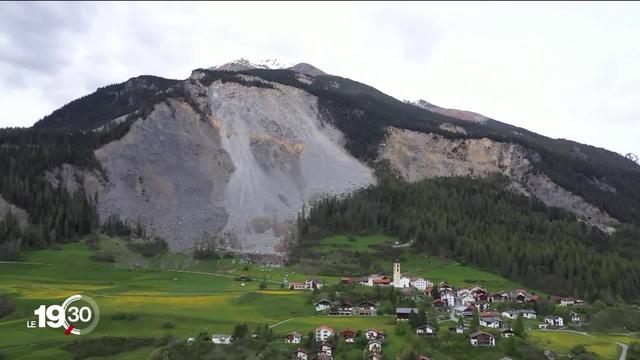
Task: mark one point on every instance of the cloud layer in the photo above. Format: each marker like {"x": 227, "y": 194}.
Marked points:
{"x": 563, "y": 70}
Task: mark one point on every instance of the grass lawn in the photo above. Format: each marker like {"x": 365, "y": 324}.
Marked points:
{"x": 563, "y": 342}
{"x": 436, "y": 269}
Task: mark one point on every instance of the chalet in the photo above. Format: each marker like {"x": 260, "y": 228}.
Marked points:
{"x": 375, "y": 346}
{"x": 323, "y": 305}
{"x": 324, "y": 348}
{"x": 324, "y": 333}
{"x": 498, "y": 297}
{"x": 481, "y": 305}
{"x": 313, "y": 284}
{"x": 506, "y": 332}
{"x": 567, "y": 301}
{"x": 464, "y": 311}
{"x": 297, "y": 286}
{"x": 490, "y": 321}
{"x": 366, "y": 312}
{"x": 553, "y": 320}
{"x": 575, "y": 318}
{"x": 520, "y": 297}
{"x": 532, "y": 298}
{"x": 346, "y": 306}
{"x": 528, "y": 314}
{"x": 293, "y": 338}
{"x": 300, "y": 354}
{"x": 368, "y": 305}
{"x": 444, "y": 285}
{"x": 349, "y": 335}
{"x": 480, "y": 338}
{"x": 402, "y": 313}
{"x": 459, "y": 329}
{"x": 438, "y": 304}
{"x": 373, "y": 334}
{"x": 221, "y": 339}
{"x": 510, "y": 314}
{"x": 426, "y": 330}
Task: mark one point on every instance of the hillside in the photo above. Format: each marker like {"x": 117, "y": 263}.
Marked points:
{"x": 231, "y": 157}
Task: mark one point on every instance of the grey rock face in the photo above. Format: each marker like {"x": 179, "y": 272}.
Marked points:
{"x": 18, "y": 212}
{"x": 236, "y": 170}
{"x": 417, "y": 156}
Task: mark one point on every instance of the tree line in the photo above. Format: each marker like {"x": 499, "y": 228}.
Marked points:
{"x": 480, "y": 223}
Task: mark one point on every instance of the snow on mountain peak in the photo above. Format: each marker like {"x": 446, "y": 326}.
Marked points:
{"x": 270, "y": 64}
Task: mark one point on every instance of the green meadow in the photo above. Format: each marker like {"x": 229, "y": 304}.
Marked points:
{"x": 181, "y": 296}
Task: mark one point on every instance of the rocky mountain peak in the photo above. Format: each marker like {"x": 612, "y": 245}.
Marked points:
{"x": 243, "y": 64}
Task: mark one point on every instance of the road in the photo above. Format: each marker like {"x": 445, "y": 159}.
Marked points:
{"x": 625, "y": 348}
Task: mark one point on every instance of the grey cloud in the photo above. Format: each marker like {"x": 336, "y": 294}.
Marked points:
{"x": 35, "y": 33}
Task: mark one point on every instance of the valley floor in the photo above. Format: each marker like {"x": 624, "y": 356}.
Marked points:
{"x": 182, "y": 296}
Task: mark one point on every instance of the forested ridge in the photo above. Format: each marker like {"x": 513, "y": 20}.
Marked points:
{"x": 55, "y": 216}
{"x": 480, "y": 223}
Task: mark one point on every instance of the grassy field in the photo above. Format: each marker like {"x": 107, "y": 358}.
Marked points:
{"x": 195, "y": 295}
{"x": 563, "y": 342}
{"x": 433, "y": 268}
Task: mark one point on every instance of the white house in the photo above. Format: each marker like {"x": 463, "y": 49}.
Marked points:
{"x": 375, "y": 346}
{"x": 458, "y": 329}
{"x": 420, "y": 284}
{"x": 404, "y": 282}
{"x": 575, "y": 318}
{"x": 426, "y": 330}
{"x": 554, "y": 320}
{"x": 528, "y": 314}
{"x": 324, "y": 333}
{"x": 567, "y": 301}
{"x": 481, "y": 338}
{"x": 448, "y": 297}
{"x": 324, "y": 348}
{"x": 323, "y": 305}
{"x": 313, "y": 284}
{"x": 372, "y": 334}
{"x": 221, "y": 339}
{"x": 293, "y": 338}
{"x": 506, "y": 333}
{"x": 510, "y": 314}
{"x": 300, "y": 354}
{"x": 490, "y": 321}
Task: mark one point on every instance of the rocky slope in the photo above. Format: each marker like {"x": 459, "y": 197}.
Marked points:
{"x": 16, "y": 211}
{"x": 236, "y": 169}
{"x": 417, "y": 156}
{"x": 232, "y": 154}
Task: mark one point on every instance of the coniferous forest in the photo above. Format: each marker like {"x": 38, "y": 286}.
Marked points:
{"x": 480, "y": 223}
{"x": 55, "y": 216}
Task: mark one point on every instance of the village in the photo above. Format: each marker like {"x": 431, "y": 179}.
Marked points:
{"x": 483, "y": 318}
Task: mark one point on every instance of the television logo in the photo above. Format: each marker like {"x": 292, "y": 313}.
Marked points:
{"x": 78, "y": 315}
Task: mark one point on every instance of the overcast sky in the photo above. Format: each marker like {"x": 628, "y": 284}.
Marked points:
{"x": 563, "y": 70}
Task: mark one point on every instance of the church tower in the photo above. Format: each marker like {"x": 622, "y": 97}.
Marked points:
{"x": 396, "y": 275}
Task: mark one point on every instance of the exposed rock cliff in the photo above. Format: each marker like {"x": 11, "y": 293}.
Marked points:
{"x": 237, "y": 168}
{"x": 417, "y": 156}
{"x": 19, "y": 213}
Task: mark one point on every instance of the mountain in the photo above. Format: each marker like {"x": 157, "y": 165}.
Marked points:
{"x": 233, "y": 154}
{"x": 458, "y": 114}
